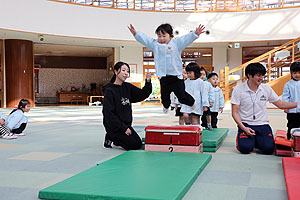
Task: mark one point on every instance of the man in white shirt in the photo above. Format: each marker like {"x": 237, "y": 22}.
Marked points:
{"x": 249, "y": 111}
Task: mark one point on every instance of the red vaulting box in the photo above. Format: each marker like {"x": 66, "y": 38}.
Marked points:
{"x": 295, "y": 132}
{"x": 174, "y": 138}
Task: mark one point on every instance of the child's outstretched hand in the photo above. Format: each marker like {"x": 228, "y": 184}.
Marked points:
{"x": 2, "y": 122}
{"x": 200, "y": 29}
{"x": 132, "y": 29}
{"x": 148, "y": 76}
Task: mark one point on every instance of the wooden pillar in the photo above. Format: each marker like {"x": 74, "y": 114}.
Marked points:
{"x": 221, "y": 75}
{"x": 226, "y": 75}
{"x": 18, "y": 71}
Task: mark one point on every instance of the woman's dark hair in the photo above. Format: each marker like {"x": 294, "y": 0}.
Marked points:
{"x": 255, "y": 69}
{"x": 212, "y": 74}
{"x": 22, "y": 104}
{"x": 203, "y": 69}
{"x": 165, "y": 28}
{"x": 117, "y": 67}
{"x": 193, "y": 67}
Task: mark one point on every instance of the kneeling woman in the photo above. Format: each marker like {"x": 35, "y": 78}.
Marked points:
{"x": 117, "y": 111}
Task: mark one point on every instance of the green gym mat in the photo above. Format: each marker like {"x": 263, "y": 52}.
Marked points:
{"x": 133, "y": 175}
{"x": 212, "y": 140}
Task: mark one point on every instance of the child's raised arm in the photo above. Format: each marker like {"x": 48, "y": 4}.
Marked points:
{"x": 200, "y": 29}
{"x": 132, "y": 29}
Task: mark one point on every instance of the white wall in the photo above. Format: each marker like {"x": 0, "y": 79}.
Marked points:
{"x": 49, "y": 17}
{"x": 219, "y": 58}
{"x": 133, "y": 55}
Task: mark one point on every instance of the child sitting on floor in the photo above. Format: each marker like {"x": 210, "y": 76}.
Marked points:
{"x": 17, "y": 121}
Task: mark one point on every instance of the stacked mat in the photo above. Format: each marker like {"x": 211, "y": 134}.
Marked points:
{"x": 133, "y": 175}
{"x": 212, "y": 140}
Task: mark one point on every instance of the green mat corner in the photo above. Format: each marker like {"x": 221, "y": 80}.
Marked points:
{"x": 212, "y": 140}
{"x": 133, "y": 175}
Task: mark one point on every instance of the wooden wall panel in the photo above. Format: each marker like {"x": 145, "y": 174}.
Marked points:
{"x": 71, "y": 62}
{"x": 18, "y": 71}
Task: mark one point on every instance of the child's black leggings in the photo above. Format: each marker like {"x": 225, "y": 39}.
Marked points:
{"x": 170, "y": 84}
{"x": 293, "y": 122}
{"x": 20, "y": 129}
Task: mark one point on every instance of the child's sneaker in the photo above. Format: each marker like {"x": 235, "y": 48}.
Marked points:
{"x": 20, "y": 134}
{"x": 165, "y": 110}
{"x": 9, "y": 136}
{"x": 107, "y": 142}
{"x": 210, "y": 128}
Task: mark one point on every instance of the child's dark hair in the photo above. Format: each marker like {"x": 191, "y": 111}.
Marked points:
{"x": 212, "y": 74}
{"x": 295, "y": 67}
{"x": 203, "y": 69}
{"x": 118, "y": 66}
{"x": 255, "y": 69}
{"x": 193, "y": 67}
{"x": 165, "y": 28}
{"x": 22, "y": 104}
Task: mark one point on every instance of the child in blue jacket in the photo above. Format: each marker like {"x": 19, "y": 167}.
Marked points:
{"x": 17, "y": 121}
{"x": 291, "y": 93}
{"x": 168, "y": 63}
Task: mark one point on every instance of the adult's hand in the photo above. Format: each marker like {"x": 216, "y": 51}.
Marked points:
{"x": 148, "y": 76}
{"x": 249, "y": 131}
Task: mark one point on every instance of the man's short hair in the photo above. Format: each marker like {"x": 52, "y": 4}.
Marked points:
{"x": 255, "y": 69}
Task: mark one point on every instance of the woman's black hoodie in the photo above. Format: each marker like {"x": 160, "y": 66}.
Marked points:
{"x": 117, "y": 112}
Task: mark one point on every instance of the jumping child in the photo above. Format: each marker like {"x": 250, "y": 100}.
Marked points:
{"x": 195, "y": 87}
{"x": 167, "y": 58}
{"x": 219, "y": 99}
{"x": 291, "y": 93}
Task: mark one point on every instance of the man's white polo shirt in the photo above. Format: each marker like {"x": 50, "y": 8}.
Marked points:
{"x": 253, "y": 105}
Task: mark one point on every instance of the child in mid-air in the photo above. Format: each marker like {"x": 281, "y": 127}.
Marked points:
{"x": 167, "y": 58}
{"x": 206, "y": 117}
{"x": 195, "y": 87}
{"x": 218, "y": 97}
{"x": 291, "y": 93}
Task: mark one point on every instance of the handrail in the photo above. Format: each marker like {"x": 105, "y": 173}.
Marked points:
{"x": 188, "y": 5}
{"x": 274, "y": 67}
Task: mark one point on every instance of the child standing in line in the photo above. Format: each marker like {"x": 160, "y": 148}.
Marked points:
{"x": 195, "y": 87}
{"x": 291, "y": 93}
{"x": 167, "y": 58}
{"x": 17, "y": 121}
{"x": 206, "y": 117}
{"x": 219, "y": 99}
{"x": 178, "y": 112}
